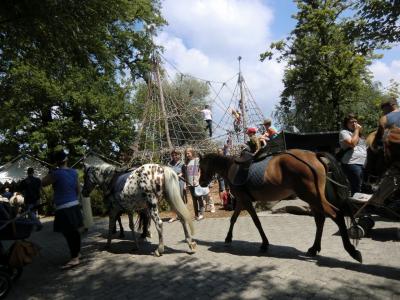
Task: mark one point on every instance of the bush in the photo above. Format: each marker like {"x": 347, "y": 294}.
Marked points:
{"x": 99, "y": 207}
{"x": 47, "y": 199}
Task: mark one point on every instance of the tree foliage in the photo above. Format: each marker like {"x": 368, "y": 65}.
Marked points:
{"x": 65, "y": 68}
{"x": 325, "y": 73}
{"x": 376, "y": 22}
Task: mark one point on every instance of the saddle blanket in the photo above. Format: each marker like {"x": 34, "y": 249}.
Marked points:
{"x": 120, "y": 183}
{"x": 254, "y": 176}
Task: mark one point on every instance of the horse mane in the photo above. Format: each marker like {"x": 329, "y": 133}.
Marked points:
{"x": 106, "y": 170}
{"x": 218, "y": 158}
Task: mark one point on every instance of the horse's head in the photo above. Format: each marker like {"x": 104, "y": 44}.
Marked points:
{"x": 99, "y": 175}
{"x": 89, "y": 180}
{"x": 207, "y": 168}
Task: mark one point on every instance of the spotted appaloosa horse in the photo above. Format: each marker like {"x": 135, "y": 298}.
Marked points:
{"x": 140, "y": 189}
{"x": 299, "y": 172}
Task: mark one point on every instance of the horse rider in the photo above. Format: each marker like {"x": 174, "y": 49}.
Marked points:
{"x": 269, "y": 131}
{"x": 388, "y": 133}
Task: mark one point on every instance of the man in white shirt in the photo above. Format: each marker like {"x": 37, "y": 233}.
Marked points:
{"x": 208, "y": 118}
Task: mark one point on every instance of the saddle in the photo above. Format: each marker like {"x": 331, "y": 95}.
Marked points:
{"x": 249, "y": 166}
{"x": 246, "y": 157}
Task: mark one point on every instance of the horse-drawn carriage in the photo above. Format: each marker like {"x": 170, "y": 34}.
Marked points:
{"x": 380, "y": 195}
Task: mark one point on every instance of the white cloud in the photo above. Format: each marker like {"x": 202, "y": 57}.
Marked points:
{"x": 384, "y": 72}
{"x": 205, "y": 37}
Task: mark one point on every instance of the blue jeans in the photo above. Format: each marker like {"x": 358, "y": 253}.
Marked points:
{"x": 209, "y": 127}
{"x": 354, "y": 173}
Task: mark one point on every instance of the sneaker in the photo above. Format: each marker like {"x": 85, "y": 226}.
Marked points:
{"x": 172, "y": 220}
{"x": 212, "y": 210}
{"x": 200, "y": 217}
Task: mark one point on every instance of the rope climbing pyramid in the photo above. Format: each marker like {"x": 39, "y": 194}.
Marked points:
{"x": 172, "y": 115}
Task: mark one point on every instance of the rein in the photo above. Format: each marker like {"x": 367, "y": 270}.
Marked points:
{"x": 335, "y": 182}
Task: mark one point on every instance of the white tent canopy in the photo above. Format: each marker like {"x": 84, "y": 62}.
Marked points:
{"x": 15, "y": 170}
{"x": 95, "y": 159}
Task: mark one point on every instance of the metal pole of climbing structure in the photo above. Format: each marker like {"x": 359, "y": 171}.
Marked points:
{"x": 242, "y": 103}
{"x": 164, "y": 112}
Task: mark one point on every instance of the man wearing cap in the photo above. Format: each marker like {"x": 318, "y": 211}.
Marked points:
{"x": 270, "y": 132}
{"x": 68, "y": 217}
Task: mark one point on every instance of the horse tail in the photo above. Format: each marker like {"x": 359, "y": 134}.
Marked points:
{"x": 174, "y": 198}
{"x": 337, "y": 185}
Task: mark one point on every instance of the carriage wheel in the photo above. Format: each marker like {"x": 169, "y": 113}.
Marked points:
{"x": 356, "y": 232}
{"x": 5, "y": 284}
{"x": 367, "y": 223}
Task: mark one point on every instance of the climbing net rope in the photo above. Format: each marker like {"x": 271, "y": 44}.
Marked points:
{"x": 172, "y": 115}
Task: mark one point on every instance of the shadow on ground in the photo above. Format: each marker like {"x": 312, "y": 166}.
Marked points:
{"x": 243, "y": 248}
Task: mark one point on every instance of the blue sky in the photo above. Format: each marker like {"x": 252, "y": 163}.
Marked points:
{"x": 205, "y": 37}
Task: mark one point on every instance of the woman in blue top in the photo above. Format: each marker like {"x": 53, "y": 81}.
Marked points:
{"x": 68, "y": 217}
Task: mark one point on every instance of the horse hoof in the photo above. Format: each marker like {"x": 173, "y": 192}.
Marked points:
{"x": 357, "y": 256}
{"x": 312, "y": 252}
{"x": 193, "y": 246}
{"x": 264, "y": 247}
{"x": 228, "y": 241}
{"x": 157, "y": 253}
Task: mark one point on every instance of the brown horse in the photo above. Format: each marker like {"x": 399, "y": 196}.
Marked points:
{"x": 299, "y": 172}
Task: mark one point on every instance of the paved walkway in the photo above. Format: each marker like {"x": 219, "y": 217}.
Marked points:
{"x": 215, "y": 271}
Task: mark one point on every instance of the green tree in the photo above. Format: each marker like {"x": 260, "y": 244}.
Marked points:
{"x": 325, "y": 73}
{"x": 64, "y": 73}
{"x": 376, "y": 22}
